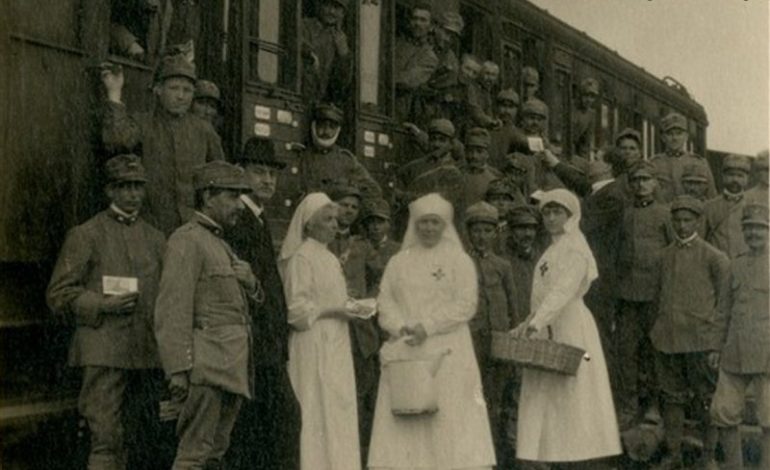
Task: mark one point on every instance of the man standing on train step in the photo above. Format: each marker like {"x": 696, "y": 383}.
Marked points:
{"x": 723, "y": 213}
{"x": 415, "y": 63}
{"x": 584, "y": 118}
{"x": 670, "y": 164}
{"x": 202, "y": 321}
{"x": 324, "y": 164}
{"x": 107, "y": 277}
{"x": 326, "y": 55}
{"x": 266, "y": 434}
{"x": 172, "y": 141}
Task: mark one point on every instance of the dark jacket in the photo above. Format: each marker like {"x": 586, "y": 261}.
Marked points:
{"x": 252, "y": 242}
{"x": 323, "y": 169}
{"x": 330, "y": 82}
{"x": 723, "y": 225}
{"x": 497, "y": 302}
{"x": 601, "y": 222}
{"x": 108, "y": 245}
{"x": 375, "y": 264}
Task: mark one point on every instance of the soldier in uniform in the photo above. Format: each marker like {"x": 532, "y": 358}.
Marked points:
{"x": 695, "y": 182}
{"x": 645, "y": 231}
{"x": 353, "y": 252}
{"x": 324, "y": 164}
{"x": 202, "y": 321}
{"x": 495, "y": 312}
{"x": 446, "y": 35}
{"x": 745, "y": 356}
{"x": 440, "y": 146}
{"x": 326, "y": 55}
{"x": 478, "y": 174}
{"x": 415, "y": 62}
{"x": 723, "y": 213}
{"x": 502, "y": 138}
{"x": 530, "y": 83}
{"x": 266, "y": 434}
{"x": 376, "y": 223}
{"x": 627, "y": 151}
{"x": 480, "y": 97}
{"x": 517, "y": 171}
{"x": 106, "y": 278}
{"x": 172, "y": 141}
{"x": 207, "y": 103}
{"x": 584, "y": 117}
{"x": 758, "y": 193}
{"x": 693, "y": 279}
{"x": 670, "y": 164}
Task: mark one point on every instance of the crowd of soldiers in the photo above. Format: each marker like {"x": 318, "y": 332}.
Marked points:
{"x": 179, "y": 272}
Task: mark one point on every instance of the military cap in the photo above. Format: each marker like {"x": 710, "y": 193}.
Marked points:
{"x": 451, "y": 21}
{"x": 736, "y": 162}
{"x": 629, "y": 133}
{"x": 687, "y": 202}
{"x": 598, "y": 170}
{"x": 535, "y": 106}
{"x": 329, "y": 112}
{"x": 176, "y": 66}
{"x": 379, "y": 208}
{"x": 523, "y": 214}
{"x": 441, "y": 126}
{"x": 673, "y": 120}
{"x": 477, "y": 137}
{"x": 207, "y": 89}
{"x": 642, "y": 167}
{"x": 530, "y": 75}
{"x": 517, "y": 161}
{"x": 508, "y": 95}
{"x": 500, "y": 187}
{"x": 755, "y": 214}
{"x": 219, "y": 174}
{"x": 481, "y": 212}
{"x": 589, "y": 85}
{"x": 761, "y": 161}
{"x": 125, "y": 168}
{"x": 695, "y": 172}
{"x": 341, "y": 191}
{"x": 261, "y": 151}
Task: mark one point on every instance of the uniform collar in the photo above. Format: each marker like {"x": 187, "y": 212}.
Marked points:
{"x": 209, "y": 223}
{"x": 675, "y": 153}
{"x": 732, "y": 197}
{"x": 122, "y": 216}
{"x": 686, "y": 242}
{"x": 643, "y": 203}
{"x": 343, "y": 234}
{"x": 255, "y": 208}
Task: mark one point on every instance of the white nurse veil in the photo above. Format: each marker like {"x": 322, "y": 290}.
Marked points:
{"x": 311, "y": 204}
{"x": 431, "y": 204}
{"x": 572, "y": 233}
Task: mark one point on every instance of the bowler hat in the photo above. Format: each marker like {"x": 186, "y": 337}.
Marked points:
{"x": 219, "y": 174}
{"x": 261, "y": 151}
{"x": 125, "y": 168}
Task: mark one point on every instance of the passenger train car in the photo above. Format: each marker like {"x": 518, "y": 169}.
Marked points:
{"x": 49, "y": 152}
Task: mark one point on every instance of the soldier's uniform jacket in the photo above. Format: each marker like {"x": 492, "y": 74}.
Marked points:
{"x": 323, "y": 169}
{"x": 747, "y": 347}
{"x": 335, "y": 72}
{"x": 669, "y": 168}
{"x": 202, "y": 322}
{"x": 497, "y": 302}
{"x": 170, "y": 148}
{"x": 601, "y": 222}
{"x": 645, "y": 232}
{"x": 479, "y": 103}
{"x": 415, "y": 64}
{"x": 693, "y": 279}
{"x": 411, "y": 170}
{"x": 722, "y": 216}
{"x": 108, "y": 244}
{"x": 503, "y": 141}
{"x": 445, "y": 179}
{"x": 476, "y": 182}
{"x": 523, "y": 266}
{"x": 377, "y": 259}
{"x": 583, "y": 127}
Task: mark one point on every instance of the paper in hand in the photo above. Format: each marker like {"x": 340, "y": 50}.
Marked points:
{"x": 116, "y": 285}
{"x": 535, "y": 144}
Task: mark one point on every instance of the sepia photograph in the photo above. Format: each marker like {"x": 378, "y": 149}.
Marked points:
{"x": 384, "y": 235}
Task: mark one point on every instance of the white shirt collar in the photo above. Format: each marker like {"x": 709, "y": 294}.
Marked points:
{"x": 120, "y": 211}
{"x": 600, "y": 184}
{"x": 685, "y": 241}
{"x": 253, "y": 206}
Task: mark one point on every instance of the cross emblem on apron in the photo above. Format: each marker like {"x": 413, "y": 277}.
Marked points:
{"x": 438, "y": 274}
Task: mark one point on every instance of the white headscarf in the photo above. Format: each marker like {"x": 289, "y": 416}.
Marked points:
{"x": 431, "y": 204}
{"x": 311, "y": 204}
{"x": 573, "y": 237}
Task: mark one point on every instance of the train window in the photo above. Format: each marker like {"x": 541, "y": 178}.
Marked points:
{"x": 560, "y": 112}
{"x": 369, "y": 44}
{"x": 271, "y": 37}
{"x": 477, "y": 34}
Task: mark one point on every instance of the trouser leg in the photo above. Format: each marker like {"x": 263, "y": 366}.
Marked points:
{"x": 204, "y": 427}
{"x": 669, "y": 368}
{"x": 100, "y": 403}
{"x": 702, "y": 379}
{"x": 628, "y": 338}
{"x": 732, "y": 447}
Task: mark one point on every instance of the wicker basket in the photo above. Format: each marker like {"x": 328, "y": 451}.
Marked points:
{"x": 542, "y": 354}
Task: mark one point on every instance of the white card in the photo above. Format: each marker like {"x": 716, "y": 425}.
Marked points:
{"x": 535, "y": 144}
{"x": 116, "y": 285}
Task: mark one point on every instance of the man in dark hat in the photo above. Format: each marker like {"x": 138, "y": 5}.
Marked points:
{"x": 376, "y": 223}
{"x": 744, "y": 360}
{"x": 202, "y": 321}
{"x": 172, "y": 141}
{"x": 326, "y": 55}
{"x": 415, "y": 62}
{"x": 353, "y": 251}
{"x": 584, "y": 118}
{"x": 207, "y": 102}
{"x": 266, "y": 434}
{"x": 645, "y": 231}
{"x": 106, "y": 278}
{"x": 723, "y": 213}
{"x": 693, "y": 280}
{"x": 670, "y": 164}
{"x": 324, "y": 165}
{"x": 476, "y": 171}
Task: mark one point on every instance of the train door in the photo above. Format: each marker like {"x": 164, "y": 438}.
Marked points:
{"x": 561, "y": 99}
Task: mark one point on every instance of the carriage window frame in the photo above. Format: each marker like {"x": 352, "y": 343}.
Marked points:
{"x": 374, "y": 65}
{"x": 561, "y": 116}
{"x": 271, "y": 45}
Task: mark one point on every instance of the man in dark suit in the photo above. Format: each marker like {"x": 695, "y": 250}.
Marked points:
{"x": 266, "y": 434}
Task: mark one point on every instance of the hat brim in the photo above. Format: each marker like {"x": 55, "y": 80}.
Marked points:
{"x": 375, "y": 215}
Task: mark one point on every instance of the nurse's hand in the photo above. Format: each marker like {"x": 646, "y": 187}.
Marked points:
{"x": 524, "y": 330}
{"x": 417, "y": 335}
